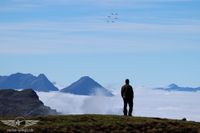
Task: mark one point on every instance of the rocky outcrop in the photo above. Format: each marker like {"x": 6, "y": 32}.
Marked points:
{"x": 22, "y": 103}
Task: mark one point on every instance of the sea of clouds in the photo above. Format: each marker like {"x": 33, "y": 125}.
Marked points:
{"x": 147, "y": 102}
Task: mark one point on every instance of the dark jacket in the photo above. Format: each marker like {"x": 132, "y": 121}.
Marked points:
{"x": 127, "y": 92}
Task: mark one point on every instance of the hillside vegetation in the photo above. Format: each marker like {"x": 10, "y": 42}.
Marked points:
{"x": 108, "y": 124}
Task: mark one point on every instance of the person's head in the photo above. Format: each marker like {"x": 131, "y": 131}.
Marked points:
{"x": 127, "y": 81}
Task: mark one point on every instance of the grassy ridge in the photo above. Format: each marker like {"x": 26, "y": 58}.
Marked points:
{"x": 109, "y": 123}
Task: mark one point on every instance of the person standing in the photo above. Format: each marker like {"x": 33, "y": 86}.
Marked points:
{"x": 127, "y": 95}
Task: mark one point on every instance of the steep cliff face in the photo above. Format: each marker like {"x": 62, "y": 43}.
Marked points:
{"x": 22, "y": 103}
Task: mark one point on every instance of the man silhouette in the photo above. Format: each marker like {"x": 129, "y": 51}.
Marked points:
{"x": 127, "y": 95}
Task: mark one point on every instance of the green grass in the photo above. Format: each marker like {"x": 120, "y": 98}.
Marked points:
{"x": 109, "y": 123}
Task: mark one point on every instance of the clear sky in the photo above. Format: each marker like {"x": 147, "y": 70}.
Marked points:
{"x": 153, "y": 42}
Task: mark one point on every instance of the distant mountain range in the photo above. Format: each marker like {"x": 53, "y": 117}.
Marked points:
{"x": 27, "y": 81}
{"x": 22, "y": 103}
{"x": 86, "y": 86}
{"x": 174, "y": 87}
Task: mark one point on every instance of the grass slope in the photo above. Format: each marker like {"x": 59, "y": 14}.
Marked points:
{"x": 108, "y": 124}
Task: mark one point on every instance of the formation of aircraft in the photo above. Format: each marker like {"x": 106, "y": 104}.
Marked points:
{"x": 112, "y": 17}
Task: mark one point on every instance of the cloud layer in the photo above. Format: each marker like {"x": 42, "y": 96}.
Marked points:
{"x": 94, "y": 37}
{"x": 147, "y": 102}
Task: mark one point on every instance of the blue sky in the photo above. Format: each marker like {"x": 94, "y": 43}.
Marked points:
{"x": 153, "y": 42}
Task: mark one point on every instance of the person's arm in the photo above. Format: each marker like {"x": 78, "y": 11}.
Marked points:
{"x": 122, "y": 91}
{"x": 132, "y": 93}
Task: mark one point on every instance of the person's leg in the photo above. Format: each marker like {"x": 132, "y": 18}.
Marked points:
{"x": 125, "y": 106}
{"x": 130, "y": 108}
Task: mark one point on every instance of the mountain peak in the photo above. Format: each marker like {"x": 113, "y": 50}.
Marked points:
{"x": 24, "y": 81}
{"x": 20, "y": 74}
{"x": 88, "y": 80}
{"x": 85, "y": 77}
{"x": 173, "y": 86}
{"x": 85, "y": 86}
{"x": 42, "y": 76}
{"x": 17, "y": 73}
